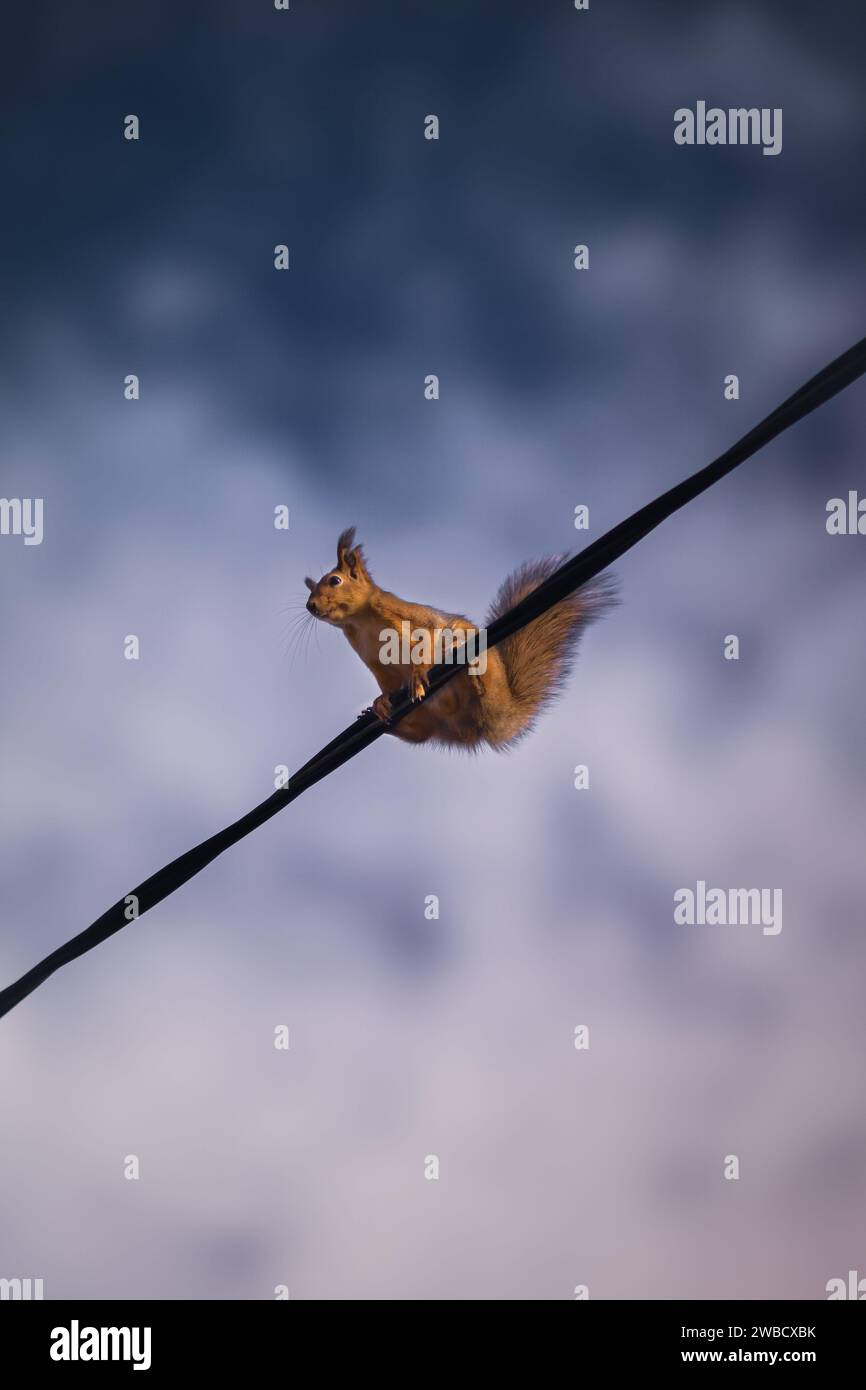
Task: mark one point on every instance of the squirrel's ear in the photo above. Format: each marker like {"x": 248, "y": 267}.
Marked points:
{"x": 344, "y": 544}
{"x": 310, "y": 583}
{"x": 356, "y": 564}
{"x": 350, "y": 557}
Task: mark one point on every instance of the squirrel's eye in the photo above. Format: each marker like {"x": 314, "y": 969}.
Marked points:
{"x": 334, "y": 581}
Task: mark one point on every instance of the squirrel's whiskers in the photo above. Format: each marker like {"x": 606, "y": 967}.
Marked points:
{"x": 297, "y": 634}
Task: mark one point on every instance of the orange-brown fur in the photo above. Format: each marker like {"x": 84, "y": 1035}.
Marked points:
{"x": 523, "y": 673}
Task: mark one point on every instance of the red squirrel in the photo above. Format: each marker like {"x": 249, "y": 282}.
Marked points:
{"x": 496, "y": 699}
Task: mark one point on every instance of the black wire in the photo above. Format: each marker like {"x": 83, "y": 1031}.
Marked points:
{"x": 367, "y": 728}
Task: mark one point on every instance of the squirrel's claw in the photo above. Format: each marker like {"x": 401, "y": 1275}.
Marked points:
{"x": 381, "y": 707}
{"x": 418, "y": 687}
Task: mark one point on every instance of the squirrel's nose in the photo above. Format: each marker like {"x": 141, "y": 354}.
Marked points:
{"x": 311, "y": 607}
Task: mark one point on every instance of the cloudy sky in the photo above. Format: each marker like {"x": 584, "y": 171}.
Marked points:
{"x": 454, "y": 1037}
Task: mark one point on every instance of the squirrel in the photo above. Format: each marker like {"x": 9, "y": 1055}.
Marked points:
{"x": 496, "y": 700}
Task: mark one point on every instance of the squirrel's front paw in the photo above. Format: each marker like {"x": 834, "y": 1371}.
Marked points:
{"x": 418, "y": 687}
{"x": 381, "y": 707}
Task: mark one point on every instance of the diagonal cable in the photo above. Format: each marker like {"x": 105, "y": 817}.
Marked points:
{"x": 367, "y": 728}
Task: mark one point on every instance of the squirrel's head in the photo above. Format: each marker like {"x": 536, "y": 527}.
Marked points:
{"x": 344, "y": 590}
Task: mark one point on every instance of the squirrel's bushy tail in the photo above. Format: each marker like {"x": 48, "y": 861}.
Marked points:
{"x": 538, "y": 658}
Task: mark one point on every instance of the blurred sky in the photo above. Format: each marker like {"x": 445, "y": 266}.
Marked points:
{"x": 411, "y": 1037}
